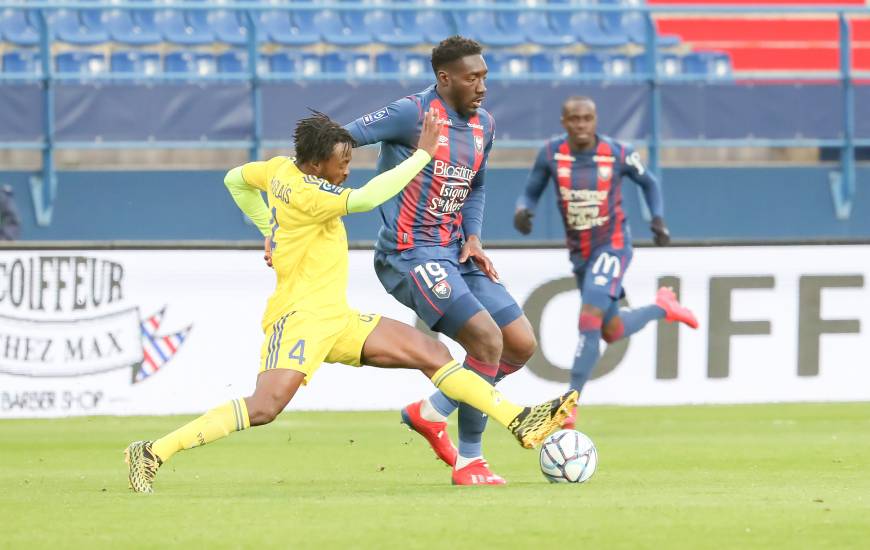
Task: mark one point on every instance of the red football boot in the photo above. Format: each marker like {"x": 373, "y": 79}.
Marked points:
{"x": 674, "y": 311}
{"x": 434, "y": 432}
{"x": 477, "y": 473}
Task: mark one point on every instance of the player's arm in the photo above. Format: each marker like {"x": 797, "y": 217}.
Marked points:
{"x": 472, "y": 221}
{"x": 652, "y": 192}
{"x": 247, "y": 195}
{"x": 395, "y": 122}
{"x": 528, "y": 201}
{"x": 386, "y": 185}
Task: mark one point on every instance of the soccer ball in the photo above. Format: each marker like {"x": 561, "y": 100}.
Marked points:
{"x": 568, "y": 456}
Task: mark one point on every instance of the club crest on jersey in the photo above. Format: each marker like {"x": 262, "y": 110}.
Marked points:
{"x": 605, "y": 171}
{"x": 371, "y": 118}
{"x": 478, "y": 143}
{"x": 441, "y": 290}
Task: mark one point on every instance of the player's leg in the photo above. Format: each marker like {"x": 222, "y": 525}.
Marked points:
{"x": 392, "y": 344}
{"x": 621, "y": 323}
{"x": 281, "y": 374}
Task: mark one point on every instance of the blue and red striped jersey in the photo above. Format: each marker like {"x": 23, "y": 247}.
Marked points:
{"x": 588, "y": 188}
{"x": 444, "y": 203}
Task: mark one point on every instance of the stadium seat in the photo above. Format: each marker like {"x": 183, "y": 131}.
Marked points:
{"x": 86, "y": 63}
{"x": 388, "y": 63}
{"x": 177, "y": 27}
{"x": 19, "y": 27}
{"x": 668, "y": 65}
{"x": 567, "y": 65}
{"x": 617, "y": 65}
{"x": 537, "y": 29}
{"x": 384, "y": 29}
{"x": 229, "y": 27}
{"x": 334, "y": 30}
{"x": 283, "y": 63}
{"x": 135, "y": 62}
{"x": 282, "y": 28}
{"x": 201, "y": 64}
{"x": 310, "y": 65}
{"x": 348, "y": 63}
{"x": 591, "y": 64}
{"x": 403, "y": 64}
{"x": 633, "y": 24}
{"x": 432, "y": 26}
{"x": 68, "y": 26}
{"x": 588, "y": 30}
{"x": 482, "y": 26}
{"x": 132, "y": 27}
{"x": 22, "y": 62}
{"x": 232, "y": 62}
{"x": 542, "y": 63}
{"x": 710, "y": 64}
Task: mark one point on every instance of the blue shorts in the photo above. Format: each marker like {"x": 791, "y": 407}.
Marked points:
{"x": 600, "y": 276}
{"x": 441, "y": 291}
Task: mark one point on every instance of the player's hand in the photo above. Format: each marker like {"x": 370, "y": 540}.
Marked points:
{"x": 661, "y": 235}
{"x": 474, "y": 249}
{"x": 523, "y": 220}
{"x": 429, "y": 134}
{"x": 267, "y": 246}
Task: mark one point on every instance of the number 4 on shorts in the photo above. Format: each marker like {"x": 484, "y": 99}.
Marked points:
{"x": 298, "y": 352}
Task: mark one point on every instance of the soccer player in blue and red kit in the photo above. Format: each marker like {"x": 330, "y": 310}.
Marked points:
{"x": 587, "y": 170}
{"x": 429, "y": 254}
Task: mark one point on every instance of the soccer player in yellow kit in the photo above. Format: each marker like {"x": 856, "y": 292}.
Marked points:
{"x": 307, "y": 319}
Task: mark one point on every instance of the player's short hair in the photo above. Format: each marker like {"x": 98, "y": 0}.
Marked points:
{"x": 577, "y": 98}
{"x": 317, "y": 136}
{"x": 453, "y": 48}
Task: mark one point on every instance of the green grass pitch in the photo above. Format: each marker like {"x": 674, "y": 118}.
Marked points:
{"x": 766, "y": 476}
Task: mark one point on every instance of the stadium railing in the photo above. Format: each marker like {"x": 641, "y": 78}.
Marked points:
{"x": 649, "y": 68}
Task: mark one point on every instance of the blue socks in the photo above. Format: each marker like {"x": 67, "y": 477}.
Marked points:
{"x": 588, "y": 350}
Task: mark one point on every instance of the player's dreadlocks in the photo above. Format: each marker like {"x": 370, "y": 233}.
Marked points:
{"x": 453, "y": 48}
{"x": 317, "y": 136}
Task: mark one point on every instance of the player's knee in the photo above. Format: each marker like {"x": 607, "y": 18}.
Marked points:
{"x": 264, "y": 409}
{"x": 487, "y": 347}
{"x": 613, "y": 331}
{"x": 521, "y": 347}
{"x": 436, "y": 356}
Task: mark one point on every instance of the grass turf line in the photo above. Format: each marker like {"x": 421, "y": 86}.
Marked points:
{"x": 759, "y": 476}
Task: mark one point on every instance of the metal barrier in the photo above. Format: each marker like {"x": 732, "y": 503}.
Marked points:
{"x": 843, "y": 188}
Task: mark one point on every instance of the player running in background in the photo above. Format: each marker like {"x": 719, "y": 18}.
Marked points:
{"x": 587, "y": 170}
{"x": 429, "y": 254}
{"x": 307, "y": 320}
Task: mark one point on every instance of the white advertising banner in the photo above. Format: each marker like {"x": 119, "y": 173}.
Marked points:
{"x": 160, "y": 332}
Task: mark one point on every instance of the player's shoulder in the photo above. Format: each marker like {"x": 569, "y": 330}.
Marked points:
{"x": 552, "y": 146}
{"x": 486, "y": 119}
{"x": 314, "y": 185}
{"x": 618, "y": 148}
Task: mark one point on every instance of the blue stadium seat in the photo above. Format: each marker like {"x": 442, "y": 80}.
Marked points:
{"x": 591, "y": 64}
{"x": 617, "y": 65}
{"x": 283, "y": 63}
{"x": 537, "y": 29}
{"x": 179, "y": 27}
{"x": 432, "y": 26}
{"x": 281, "y": 28}
{"x": 232, "y": 62}
{"x": 132, "y": 27}
{"x": 22, "y": 62}
{"x": 388, "y": 63}
{"x": 348, "y": 63}
{"x": 493, "y": 62}
{"x": 19, "y": 27}
{"x": 202, "y": 64}
{"x": 135, "y": 62}
{"x": 542, "y": 63}
{"x": 587, "y": 28}
{"x": 334, "y": 30}
{"x": 634, "y": 26}
{"x": 567, "y": 65}
{"x": 309, "y": 65}
{"x": 384, "y": 29}
{"x": 668, "y": 65}
{"x": 415, "y": 64}
{"x": 482, "y": 26}
{"x": 229, "y": 27}
{"x": 68, "y": 26}
{"x": 711, "y": 64}
{"x": 89, "y": 63}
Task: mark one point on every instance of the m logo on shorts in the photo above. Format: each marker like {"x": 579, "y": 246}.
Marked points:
{"x": 442, "y": 290}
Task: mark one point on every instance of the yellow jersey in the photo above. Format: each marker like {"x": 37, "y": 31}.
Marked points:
{"x": 309, "y": 242}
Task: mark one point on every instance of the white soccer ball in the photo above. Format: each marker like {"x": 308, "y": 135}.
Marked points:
{"x": 568, "y": 456}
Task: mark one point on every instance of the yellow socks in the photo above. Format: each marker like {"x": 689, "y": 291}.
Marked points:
{"x": 213, "y": 425}
{"x": 463, "y": 385}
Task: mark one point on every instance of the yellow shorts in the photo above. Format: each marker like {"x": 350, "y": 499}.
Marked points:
{"x": 302, "y": 340}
